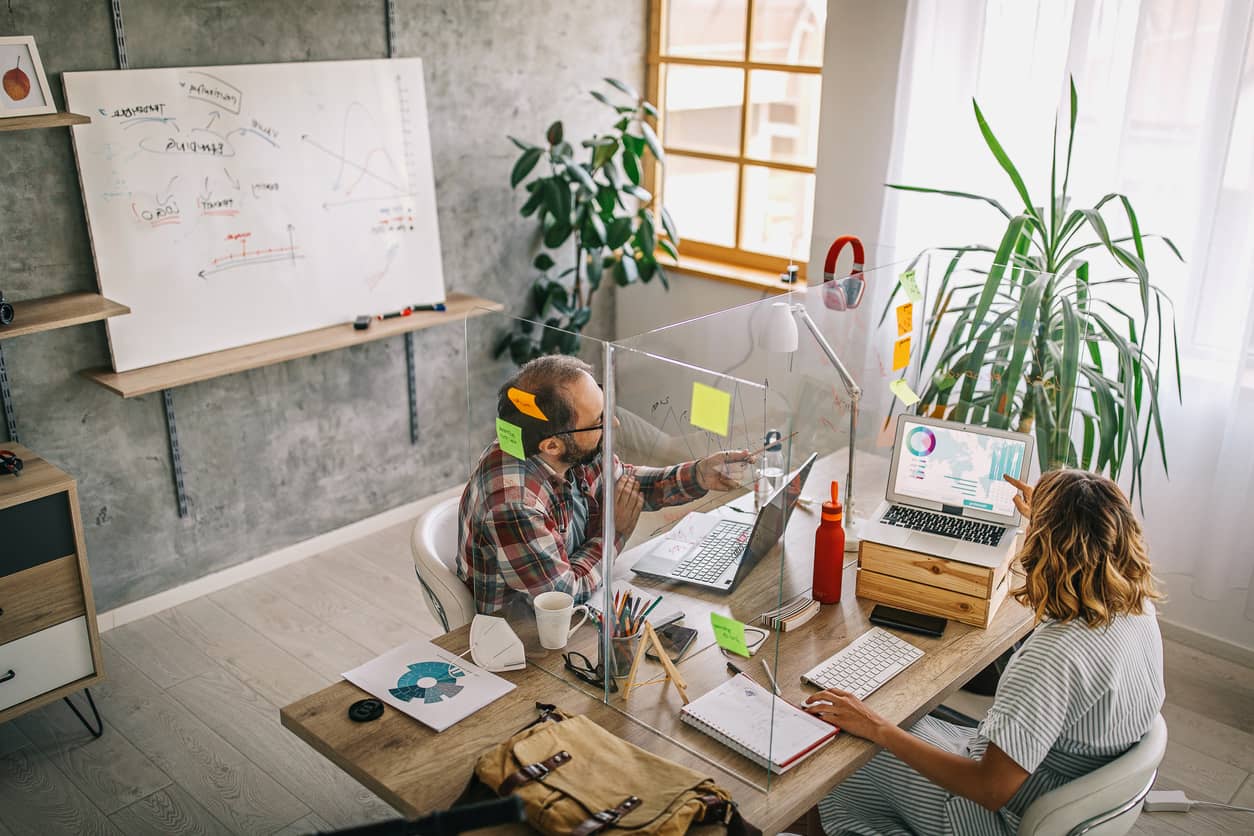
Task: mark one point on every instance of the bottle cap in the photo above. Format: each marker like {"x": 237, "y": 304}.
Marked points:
{"x": 833, "y": 510}
{"x": 772, "y": 441}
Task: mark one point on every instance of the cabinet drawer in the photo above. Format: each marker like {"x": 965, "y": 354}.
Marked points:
{"x": 43, "y": 661}
{"x": 48, "y": 594}
{"x": 35, "y": 532}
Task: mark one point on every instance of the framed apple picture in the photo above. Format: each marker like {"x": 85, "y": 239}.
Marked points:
{"x": 23, "y": 87}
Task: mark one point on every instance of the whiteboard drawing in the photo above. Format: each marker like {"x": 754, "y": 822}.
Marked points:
{"x": 231, "y": 205}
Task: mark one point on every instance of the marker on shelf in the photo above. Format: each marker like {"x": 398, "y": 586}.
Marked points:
{"x": 394, "y": 314}
{"x": 438, "y": 306}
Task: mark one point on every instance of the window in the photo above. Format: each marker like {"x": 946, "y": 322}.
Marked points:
{"x": 737, "y": 85}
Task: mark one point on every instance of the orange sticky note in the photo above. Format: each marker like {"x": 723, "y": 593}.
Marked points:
{"x": 905, "y": 318}
{"x": 526, "y": 403}
{"x": 901, "y": 353}
{"x": 903, "y": 391}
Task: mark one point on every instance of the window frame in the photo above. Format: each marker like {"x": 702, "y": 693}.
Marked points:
{"x": 653, "y": 179}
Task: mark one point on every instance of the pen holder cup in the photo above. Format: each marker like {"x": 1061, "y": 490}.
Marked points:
{"x": 623, "y": 650}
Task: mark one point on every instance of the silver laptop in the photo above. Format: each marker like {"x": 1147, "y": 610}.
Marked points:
{"x": 732, "y": 548}
{"x": 946, "y": 495}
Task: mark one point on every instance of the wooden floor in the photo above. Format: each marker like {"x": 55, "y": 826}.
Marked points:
{"x": 193, "y": 743}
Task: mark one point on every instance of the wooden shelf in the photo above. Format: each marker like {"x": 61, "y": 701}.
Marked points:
{"x": 48, "y": 120}
{"x": 208, "y": 366}
{"x": 31, "y": 316}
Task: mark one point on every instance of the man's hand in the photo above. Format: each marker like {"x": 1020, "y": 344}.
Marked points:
{"x": 1024, "y": 502}
{"x": 713, "y": 471}
{"x": 847, "y": 713}
{"x": 627, "y": 504}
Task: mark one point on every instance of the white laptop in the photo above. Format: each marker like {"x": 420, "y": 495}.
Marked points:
{"x": 946, "y": 495}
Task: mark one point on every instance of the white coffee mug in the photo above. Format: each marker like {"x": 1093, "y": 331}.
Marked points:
{"x": 554, "y": 611}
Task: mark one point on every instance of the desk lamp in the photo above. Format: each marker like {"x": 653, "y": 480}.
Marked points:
{"x": 780, "y": 335}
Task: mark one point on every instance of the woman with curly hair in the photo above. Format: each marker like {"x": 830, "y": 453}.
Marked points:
{"x": 1081, "y": 690}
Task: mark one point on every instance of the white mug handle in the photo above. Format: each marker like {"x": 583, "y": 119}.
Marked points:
{"x": 581, "y": 621}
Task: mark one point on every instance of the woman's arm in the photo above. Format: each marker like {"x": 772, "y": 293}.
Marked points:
{"x": 990, "y": 782}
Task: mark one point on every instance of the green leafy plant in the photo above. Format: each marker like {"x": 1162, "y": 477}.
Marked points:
{"x": 1035, "y": 342}
{"x": 592, "y": 202}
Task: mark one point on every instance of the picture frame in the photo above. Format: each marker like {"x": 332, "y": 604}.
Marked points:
{"x": 24, "y": 89}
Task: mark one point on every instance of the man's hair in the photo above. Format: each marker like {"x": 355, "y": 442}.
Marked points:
{"x": 1084, "y": 554}
{"x": 548, "y": 378}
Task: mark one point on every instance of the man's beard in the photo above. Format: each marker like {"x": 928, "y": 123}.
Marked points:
{"x": 573, "y": 456}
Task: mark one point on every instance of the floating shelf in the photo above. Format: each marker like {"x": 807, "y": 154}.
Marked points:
{"x": 48, "y": 120}
{"x": 208, "y": 366}
{"x": 31, "y": 316}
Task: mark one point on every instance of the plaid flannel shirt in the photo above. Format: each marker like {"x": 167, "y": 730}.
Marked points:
{"x": 525, "y": 530}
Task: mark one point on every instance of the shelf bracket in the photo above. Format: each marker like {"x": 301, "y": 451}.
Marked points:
{"x": 176, "y": 457}
{"x": 99, "y": 729}
{"x": 413, "y": 387}
{"x": 6, "y": 399}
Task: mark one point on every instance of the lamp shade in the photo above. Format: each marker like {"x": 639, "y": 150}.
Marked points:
{"x": 779, "y": 334}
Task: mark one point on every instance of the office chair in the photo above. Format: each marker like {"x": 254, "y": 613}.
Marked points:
{"x": 434, "y": 544}
{"x": 1107, "y": 801}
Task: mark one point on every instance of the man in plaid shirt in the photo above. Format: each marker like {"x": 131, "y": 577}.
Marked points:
{"x": 533, "y": 525}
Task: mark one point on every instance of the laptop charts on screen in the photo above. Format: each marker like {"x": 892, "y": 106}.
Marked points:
{"x": 946, "y": 496}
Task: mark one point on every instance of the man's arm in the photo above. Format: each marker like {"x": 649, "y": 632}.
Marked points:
{"x": 663, "y": 486}
{"x": 531, "y": 554}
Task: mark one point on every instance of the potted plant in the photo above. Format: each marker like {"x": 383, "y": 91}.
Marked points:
{"x": 1037, "y": 340}
{"x": 598, "y": 208}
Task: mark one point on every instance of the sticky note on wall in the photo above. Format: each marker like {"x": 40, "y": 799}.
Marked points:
{"x": 903, "y": 391}
{"x": 911, "y": 286}
{"x": 905, "y": 318}
{"x": 509, "y": 436}
{"x": 730, "y": 634}
{"x": 711, "y": 408}
{"x": 901, "y": 353}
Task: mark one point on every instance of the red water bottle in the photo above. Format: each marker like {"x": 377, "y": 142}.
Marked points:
{"x": 829, "y": 551}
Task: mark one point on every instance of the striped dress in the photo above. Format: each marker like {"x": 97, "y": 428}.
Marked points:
{"x": 1071, "y": 699}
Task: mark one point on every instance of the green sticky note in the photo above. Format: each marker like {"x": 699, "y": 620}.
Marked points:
{"x": 711, "y": 408}
{"x": 903, "y": 391}
{"x": 911, "y": 286}
{"x": 730, "y": 634}
{"x": 509, "y": 436}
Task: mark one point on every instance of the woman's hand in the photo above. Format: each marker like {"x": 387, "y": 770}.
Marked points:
{"x": 847, "y": 713}
{"x": 1024, "y": 502}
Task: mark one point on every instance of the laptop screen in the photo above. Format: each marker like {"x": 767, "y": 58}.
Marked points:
{"x": 959, "y": 467}
{"x": 773, "y": 516}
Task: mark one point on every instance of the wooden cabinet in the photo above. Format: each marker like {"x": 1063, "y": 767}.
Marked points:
{"x": 49, "y": 643}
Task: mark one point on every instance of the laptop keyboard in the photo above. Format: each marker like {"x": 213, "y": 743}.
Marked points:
{"x": 723, "y": 546}
{"x": 986, "y": 534}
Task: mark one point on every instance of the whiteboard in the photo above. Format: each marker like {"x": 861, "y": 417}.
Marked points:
{"x": 230, "y": 205}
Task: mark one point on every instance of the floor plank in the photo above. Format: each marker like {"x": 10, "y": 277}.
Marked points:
{"x": 1202, "y": 777}
{"x": 1208, "y": 685}
{"x": 402, "y": 601}
{"x": 11, "y": 738}
{"x": 161, "y": 654}
{"x": 251, "y": 725}
{"x": 389, "y": 549}
{"x": 168, "y": 811}
{"x": 1216, "y": 739}
{"x": 258, "y": 662}
{"x": 197, "y": 758}
{"x": 36, "y": 799}
{"x": 303, "y": 827}
{"x": 110, "y": 770}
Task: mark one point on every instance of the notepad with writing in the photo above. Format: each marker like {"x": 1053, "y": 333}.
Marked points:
{"x": 748, "y": 718}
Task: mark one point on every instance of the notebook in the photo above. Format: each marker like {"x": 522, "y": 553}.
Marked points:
{"x": 738, "y": 714}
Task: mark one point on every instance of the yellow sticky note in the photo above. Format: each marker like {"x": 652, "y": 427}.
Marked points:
{"x": 911, "y": 286}
{"x": 509, "y": 436}
{"x": 901, "y": 353}
{"x": 526, "y": 403}
{"x": 730, "y": 634}
{"x": 905, "y": 318}
{"x": 711, "y": 408}
{"x": 903, "y": 391}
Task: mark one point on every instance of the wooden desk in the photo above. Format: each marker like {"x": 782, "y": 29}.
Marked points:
{"x": 416, "y": 770}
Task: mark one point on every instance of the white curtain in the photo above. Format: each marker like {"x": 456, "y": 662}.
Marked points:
{"x": 1166, "y": 93}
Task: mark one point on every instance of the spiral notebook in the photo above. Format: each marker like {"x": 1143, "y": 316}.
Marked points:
{"x": 739, "y": 715}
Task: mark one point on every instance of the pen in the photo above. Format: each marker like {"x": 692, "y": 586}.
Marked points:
{"x": 651, "y": 607}
{"x": 394, "y": 314}
{"x": 731, "y": 667}
{"x": 438, "y": 306}
{"x": 770, "y": 676}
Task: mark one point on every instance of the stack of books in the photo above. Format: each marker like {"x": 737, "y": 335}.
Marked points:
{"x": 791, "y": 615}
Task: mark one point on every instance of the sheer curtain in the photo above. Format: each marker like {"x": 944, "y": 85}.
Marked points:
{"x": 1166, "y": 93}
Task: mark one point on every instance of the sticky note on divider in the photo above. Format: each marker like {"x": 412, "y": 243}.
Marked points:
{"x": 509, "y": 436}
{"x": 526, "y": 403}
{"x": 711, "y": 408}
{"x": 730, "y": 634}
{"x": 901, "y": 353}
{"x": 911, "y": 287}
{"x": 905, "y": 318}
{"x": 903, "y": 391}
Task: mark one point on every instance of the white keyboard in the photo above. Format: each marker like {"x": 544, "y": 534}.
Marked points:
{"x": 868, "y": 662}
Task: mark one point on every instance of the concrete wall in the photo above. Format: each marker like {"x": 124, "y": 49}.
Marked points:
{"x": 284, "y": 453}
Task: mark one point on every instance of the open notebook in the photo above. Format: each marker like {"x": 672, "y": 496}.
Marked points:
{"x": 739, "y": 714}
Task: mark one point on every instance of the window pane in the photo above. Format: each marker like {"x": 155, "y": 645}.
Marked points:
{"x": 778, "y": 211}
{"x": 701, "y": 197}
{"x": 788, "y": 31}
{"x": 783, "y": 117}
{"x": 703, "y": 108}
{"x": 705, "y": 29}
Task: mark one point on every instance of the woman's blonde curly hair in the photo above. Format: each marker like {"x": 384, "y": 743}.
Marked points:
{"x": 1084, "y": 552}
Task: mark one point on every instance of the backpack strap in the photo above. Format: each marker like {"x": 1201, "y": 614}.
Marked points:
{"x": 719, "y": 810}
{"x": 532, "y": 772}
{"x": 603, "y": 819}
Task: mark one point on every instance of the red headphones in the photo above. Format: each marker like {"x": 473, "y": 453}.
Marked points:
{"x": 10, "y": 463}
{"x": 844, "y": 293}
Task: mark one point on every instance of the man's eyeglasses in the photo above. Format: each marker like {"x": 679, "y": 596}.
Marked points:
{"x": 599, "y": 426}
{"x": 579, "y": 665}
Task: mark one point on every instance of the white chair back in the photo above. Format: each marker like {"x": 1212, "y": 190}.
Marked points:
{"x": 1107, "y": 801}
{"x": 434, "y": 544}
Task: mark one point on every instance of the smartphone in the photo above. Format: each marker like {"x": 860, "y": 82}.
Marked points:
{"x": 911, "y": 622}
{"x": 675, "y": 640}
